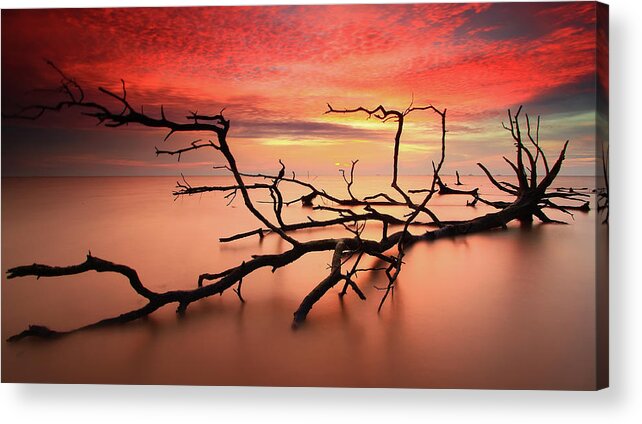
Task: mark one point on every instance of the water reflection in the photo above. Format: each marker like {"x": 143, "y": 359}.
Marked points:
{"x": 506, "y": 309}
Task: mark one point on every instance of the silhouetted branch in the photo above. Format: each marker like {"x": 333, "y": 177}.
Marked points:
{"x": 349, "y": 183}
{"x": 530, "y": 192}
{"x": 603, "y": 192}
{"x": 458, "y": 181}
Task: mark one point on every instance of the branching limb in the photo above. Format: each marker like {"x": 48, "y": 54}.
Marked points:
{"x": 530, "y": 193}
{"x": 325, "y": 285}
{"x": 351, "y": 181}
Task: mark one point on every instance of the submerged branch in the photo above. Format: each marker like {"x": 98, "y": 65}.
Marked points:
{"x": 531, "y": 196}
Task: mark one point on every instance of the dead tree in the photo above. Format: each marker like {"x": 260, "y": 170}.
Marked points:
{"x": 444, "y": 189}
{"x": 603, "y": 192}
{"x": 458, "y": 181}
{"x": 530, "y": 192}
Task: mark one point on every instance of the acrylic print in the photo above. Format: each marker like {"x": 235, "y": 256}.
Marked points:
{"x": 403, "y": 195}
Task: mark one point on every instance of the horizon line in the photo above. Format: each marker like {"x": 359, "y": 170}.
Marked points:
{"x": 230, "y": 175}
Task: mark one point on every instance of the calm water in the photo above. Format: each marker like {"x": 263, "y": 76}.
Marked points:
{"x": 507, "y": 309}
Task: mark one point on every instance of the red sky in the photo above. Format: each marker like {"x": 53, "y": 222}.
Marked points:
{"x": 275, "y": 68}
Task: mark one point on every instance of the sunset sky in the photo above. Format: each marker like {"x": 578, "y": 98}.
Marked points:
{"x": 275, "y": 68}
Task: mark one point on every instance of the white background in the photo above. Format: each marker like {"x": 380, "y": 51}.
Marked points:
{"x": 621, "y": 403}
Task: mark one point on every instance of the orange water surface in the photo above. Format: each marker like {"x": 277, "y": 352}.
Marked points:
{"x": 507, "y": 309}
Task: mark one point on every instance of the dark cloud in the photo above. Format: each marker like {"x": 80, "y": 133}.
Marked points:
{"x": 301, "y": 129}
{"x": 526, "y": 20}
{"x": 577, "y": 96}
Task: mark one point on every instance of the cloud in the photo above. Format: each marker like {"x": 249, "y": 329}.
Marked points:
{"x": 274, "y": 68}
{"x": 302, "y": 130}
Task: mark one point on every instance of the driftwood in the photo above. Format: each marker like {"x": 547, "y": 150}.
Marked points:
{"x": 603, "y": 192}
{"x": 530, "y": 191}
{"x": 458, "y": 180}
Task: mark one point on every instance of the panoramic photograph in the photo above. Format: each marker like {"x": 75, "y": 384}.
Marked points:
{"x": 373, "y": 195}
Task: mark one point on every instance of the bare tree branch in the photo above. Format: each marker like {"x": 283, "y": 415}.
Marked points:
{"x": 531, "y": 196}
